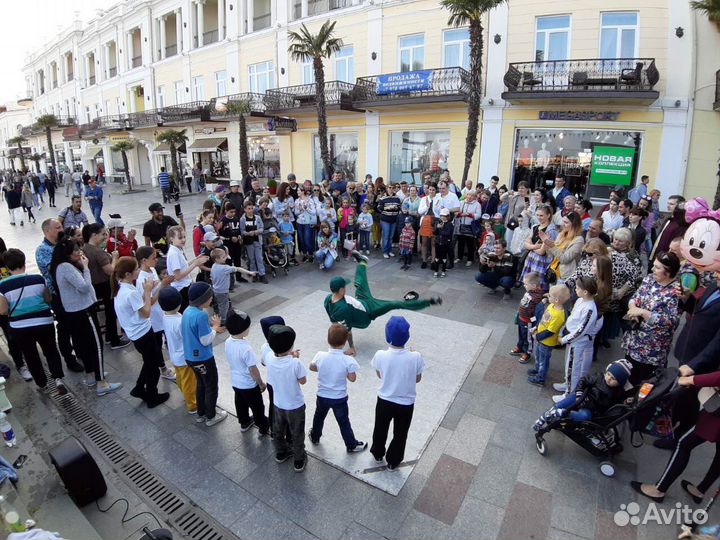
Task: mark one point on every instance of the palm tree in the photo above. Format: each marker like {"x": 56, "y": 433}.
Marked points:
{"x": 47, "y": 122}
{"x": 36, "y": 159}
{"x": 174, "y": 138}
{"x": 239, "y": 108}
{"x": 470, "y": 13}
{"x": 123, "y": 147}
{"x": 304, "y": 47}
{"x": 18, "y": 141}
{"x": 711, "y": 8}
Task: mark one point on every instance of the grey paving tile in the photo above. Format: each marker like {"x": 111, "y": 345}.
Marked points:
{"x": 355, "y": 531}
{"x": 577, "y": 490}
{"x": 456, "y": 410}
{"x": 557, "y": 534}
{"x": 190, "y": 437}
{"x": 236, "y": 467}
{"x": 220, "y": 497}
{"x": 528, "y": 513}
{"x": 262, "y": 522}
{"x": 445, "y": 490}
{"x": 496, "y": 475}
{"x": 606, "y": 529}
{"x": 500, "y": 370}
{"x": 469, "y": 440}
{"x": 573, "y": 520}
{"x": 513, "y": 436}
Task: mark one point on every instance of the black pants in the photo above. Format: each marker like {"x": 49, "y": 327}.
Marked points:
{"x": 441, "y": 257}
{"x": 640, "y": 371}
{"x": 466, "y": 247}
{"x": 63, "y": 329}
{"x": 185, "y": 300}
{"x": 680, "y": 458}
{"x": 271, "y": 413}
{"x": 51, "y": 195}
{"x": 29, "y": 339}
{"x": 401, "y": 416}
{"x": 251, "y": 399}
{"x": 685, "y": 410}
{"x": 206, "y": 391}
{"x": 103, "y": 293}
{"x": 85, "y": 330}
{"x": 151, "y": 354}
{"x": 13, "y": 345}
{"x": 159, "y": 339}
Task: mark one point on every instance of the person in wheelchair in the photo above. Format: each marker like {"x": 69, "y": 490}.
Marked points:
{"x": 594, "y": 395}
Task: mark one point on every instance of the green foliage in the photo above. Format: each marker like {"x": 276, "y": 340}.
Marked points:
{"x": 305, "y": 46}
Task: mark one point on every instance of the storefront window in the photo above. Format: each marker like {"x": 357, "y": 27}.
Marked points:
{"x": 265, "y": 155}
{"x": 414, "y": 152}
{"x": 343, "y": 155}
{"x": 215, "y": 163}
{"x": 541, "y": 154}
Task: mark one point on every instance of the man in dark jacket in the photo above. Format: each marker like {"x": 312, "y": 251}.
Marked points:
{"x": 673, "y": 227}
{"x": 13, "y": 198}
{"x": 498, "y": 269}
{"x": 234, "y": 195}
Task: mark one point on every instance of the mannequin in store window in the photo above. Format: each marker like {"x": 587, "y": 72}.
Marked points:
{"x": 525, "y": 154}
{"x": 543, "y": 156}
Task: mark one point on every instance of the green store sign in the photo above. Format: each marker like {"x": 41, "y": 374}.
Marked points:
{"x": 612, "y": 165}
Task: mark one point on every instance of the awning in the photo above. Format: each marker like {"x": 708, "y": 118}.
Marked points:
{"x": 163, "y": 149}
{"x": 91, "y": 152}
{"x": 208, "y": 145}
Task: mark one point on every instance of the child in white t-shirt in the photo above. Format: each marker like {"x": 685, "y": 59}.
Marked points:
{"x": 246, "y": 380}
{"x": 177, "y": 264}
{"x": 334, "y": 369}
{"x": 170, "y": 300}
{"x": 266, "y": 357}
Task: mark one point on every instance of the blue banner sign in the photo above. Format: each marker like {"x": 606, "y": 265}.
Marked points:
{"x": 410, "y": 81}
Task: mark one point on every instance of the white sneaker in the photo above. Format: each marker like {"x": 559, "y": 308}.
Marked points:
{"x": 435, "y": 274}
{"x": 386, "y": 255}
{"x": 168, "y": 374}
{"x": 560, "y": 387}
{"x": 457, "y": 261}
{"x": 25, "y": 374}
{"x": 90, "y": 380}
{"x": 391, "y": 254}
{"x": 468, "y": 264}
{"x": 200, "y": 419}
{"x": 106, "y": 388}
{"x": 219, "y": 417}
{"x": 558, "y": 398}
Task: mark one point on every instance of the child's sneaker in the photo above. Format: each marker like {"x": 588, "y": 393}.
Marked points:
{"x": 558, "y": 398}
{"x": 219, "y": 417}
{"x": 442, "y": 274}
{"x": 61, "y": 388}
{"x": 435, "y": 274}
{"x": 524, "y": 358}
{"x": 560, "y": 387}
{"x": 200, "y": 419}
{"x": 515, "y": 351}
{"x": 250, "y": 423}
{"x": 359, "y": 447}
{"x": 299, "y": 465}
{"x": 532, "y": 372}
{"x": 536, "y": 380}
{"x": 168, "y": 373}
{"x": 282, "y": 457}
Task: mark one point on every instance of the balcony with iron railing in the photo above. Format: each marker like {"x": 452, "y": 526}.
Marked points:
{"x": 338, "y": 94}
{"x": 210, "y": 37}
{"x": 255, "y": 105}
{"x": 170, "y": 50}
{"x": 423, "y": 86}
{"x": 185, "y": 112}
{"x": 143, "y": 119}
{"x": 112, "y": 72}
{"x": 716, "y": 103}
{"x": 63, "y": 121}
{"x": 137, "y": 61}
{"x": 260, "y": 22}
{"x": 619, "y": 78}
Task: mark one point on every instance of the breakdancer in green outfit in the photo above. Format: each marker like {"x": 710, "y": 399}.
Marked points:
{"x": 361, "y": 311}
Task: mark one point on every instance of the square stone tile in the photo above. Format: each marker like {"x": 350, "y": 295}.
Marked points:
{"x": 445, "y": 490}
{"x": 496, "y": 476}
{"x": 262, "y": 522}
{"x": 606, "y": 529}
{"x": 456, "y": 410}
{"x": 236, "y": 467}
{"x": 469, "y": 440}
{"x": 527, "y": 514}
{"x": 355, "y": 531}
{"x": 573, "y": 519}
{"x": 501, "y": 370}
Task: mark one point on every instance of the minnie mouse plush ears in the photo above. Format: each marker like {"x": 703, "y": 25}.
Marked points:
{"x": 701, "y": 243}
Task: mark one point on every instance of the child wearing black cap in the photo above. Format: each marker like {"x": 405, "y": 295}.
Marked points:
{"x": 247, "y": 382}
{"x": 266, "y": 357}
{"x": 198, "y": 334}
{"x": 287, "y": 374}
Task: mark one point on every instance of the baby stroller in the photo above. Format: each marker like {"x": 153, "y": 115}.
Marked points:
{"x": 600, "y": 435}
{"x": 275, "y": 255}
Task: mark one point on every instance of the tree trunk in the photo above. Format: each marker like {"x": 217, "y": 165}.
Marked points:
{"x": 322, "y": 117}
{"x": 126, "y": 166}
{"x": 716, "y": 201}
{"x": 22, "y": 158}
{"x": 37, "y": 166}
{"x": 244, "y": 153}
{"x": 51, "y": 150}
{"x": 476, "y": 47}
{"x": 173, "y": 160}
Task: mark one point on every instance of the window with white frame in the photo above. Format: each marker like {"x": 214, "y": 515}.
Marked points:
{"x": 179, "y": 95}
{"x": 87, "y": 114}
{"x": 97, "y": 110}
{"x": 262, "y": 77}
{"x": 220, "y": 83}
{"x": 552, "y": 38}
{"x": 412, "y": 52}
{"x": 619, "y": 35}
{"x": 161, "y": 97}
{"x": 456, "y": 48}
{"x": 345, "y": 65}
{"x": 308, "y": 74}
{"x": 198, "y": 88}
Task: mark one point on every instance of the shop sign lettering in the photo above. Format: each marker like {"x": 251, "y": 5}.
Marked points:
{"x": 410, "y": 81}
{"x": 580, "y": 115}
{"x": 612, "y": 165}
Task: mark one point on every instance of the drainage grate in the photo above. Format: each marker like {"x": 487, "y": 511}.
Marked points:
{"x": 173, "y": 507}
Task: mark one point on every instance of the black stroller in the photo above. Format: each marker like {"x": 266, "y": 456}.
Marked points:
{"x": 274, "y": 253}
{"x": 600, "y": 436}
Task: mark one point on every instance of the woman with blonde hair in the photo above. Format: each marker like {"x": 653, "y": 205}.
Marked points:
{"x": 566, "y": 249}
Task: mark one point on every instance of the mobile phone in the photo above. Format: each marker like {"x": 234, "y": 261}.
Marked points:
{"x": 178, "y": 210}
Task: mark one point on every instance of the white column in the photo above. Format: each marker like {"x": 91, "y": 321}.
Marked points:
{"x": 200, "y": 22}
{"x": 303, "y": 8}
{"x": 129, "y": 49}
{"x": 153, "y": 163}
{"x": 87, "y": 70}
{"x": 250, "y": 16}
{"x": 178, "y": 35}
{"x": 672, "y": 163}
{"x": 221, "y": 20}
{"x": 491, "y": 138}
{"x": 107, "y": 159}
{"x": 68, "y": 155}
{"x": 497, "y": 55}
{"x": 106, "y": 49}
{"x": 163, "y": 37}
{"x": 375, "y": 41}
{"x": 372, "y": 144}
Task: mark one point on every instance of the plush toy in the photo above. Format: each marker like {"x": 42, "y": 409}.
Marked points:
{"x": 701, "y": 243}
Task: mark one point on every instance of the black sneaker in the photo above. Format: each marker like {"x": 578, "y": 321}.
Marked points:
{"x": 73, "y": 365}
{"x": 156, "y": 400}
{"x": 423, "y": 265}
{"x": 282, "y": 457}
{"x": 250, "y": 423}
{"x": 299, "y": 465}
{"x": 392, "y": 467}
{"x": 312, "y": 439}
{"x": 122, "y": 342}
{"x": 437, "y": 300}
{"x": 359, "y": 447}
{"x": 263, "y": 279}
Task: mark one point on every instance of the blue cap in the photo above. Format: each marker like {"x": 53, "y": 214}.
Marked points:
{"x": 397, "y": 331}
{"x": 267, "y": 322}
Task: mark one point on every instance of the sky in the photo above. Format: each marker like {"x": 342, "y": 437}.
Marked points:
{"x": 26, "y": 25}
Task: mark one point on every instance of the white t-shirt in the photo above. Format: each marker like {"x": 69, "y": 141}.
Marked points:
{"x": 449, "y": 201}
{"x": 172, "y": 325}
{"x": 127, "y": 305}
{"x": 176, "y": 261}
{"x": 399, "y": 369}
{"x": 333, "y": 368}
{"x": 156, "y": 312}
{"x": 241, "y": 358}
{"x": 284, "y": 373}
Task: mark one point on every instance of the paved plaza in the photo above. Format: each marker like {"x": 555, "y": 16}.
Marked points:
{"x": 477, "y": 475}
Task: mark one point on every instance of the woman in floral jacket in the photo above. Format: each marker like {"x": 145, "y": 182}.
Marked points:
{"x": 655, "y": 315}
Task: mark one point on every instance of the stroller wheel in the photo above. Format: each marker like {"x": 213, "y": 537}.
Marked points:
{"x": 541, "y": 447}
{"x": 607, "y": 468}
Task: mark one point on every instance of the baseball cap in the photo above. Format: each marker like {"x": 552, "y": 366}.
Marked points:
{"x": 337, "y": 283}
{"x": 210, "y": 237}
{"x": 444, "y": 212}
{"x": 115, "y": 223}
{"x": 154, "y": 207}
{"x": 408, "y": 220}
{"x": 235, "y": 183}
{"x": 485, "y": 217}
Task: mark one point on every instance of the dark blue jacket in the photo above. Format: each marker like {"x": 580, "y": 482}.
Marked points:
{"x": 698, "y": 344}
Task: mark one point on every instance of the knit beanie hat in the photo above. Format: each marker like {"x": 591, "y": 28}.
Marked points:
{"x": 397, "y": 331}
{"x": 237, "y": 322}
{"x": 281, "y": 338}
{"x": 169, "y": 299}
{"x": 620, "y": 369}
{"x": 199, "y": 293}
{"x": 267, "y": 322}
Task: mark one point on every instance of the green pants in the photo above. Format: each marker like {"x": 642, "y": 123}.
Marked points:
{"x": 375, "y": 307}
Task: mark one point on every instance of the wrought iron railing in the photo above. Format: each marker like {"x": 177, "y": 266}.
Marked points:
{"x": 317, "y": 7}
{"x": 210, "y": 37}
{"x": 170, "y": 50}
{"x": 193, "y": 110}
{"x": 261, "y": 22}
{"x": 66, "y": 120}
{"x": 90, "y": 127}
{"x": 716, "y": 103}
{"x": 112, "y": 72}
{"x": 136, "y": 61}
{"x": 148, "y": 118}
{"x": 595, "y": 74}
{"x": 63, "y": 121}
{"x": 255, "y": 102}
{"x": 304, "y": 95}
{"x": 452, "y": 82}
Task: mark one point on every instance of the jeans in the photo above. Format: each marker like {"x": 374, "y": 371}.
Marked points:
{"x": 401, "y": 416}
{"x": 206, "y": 391}
{"x": 151, "y": 354}
{"x": 522, "y": 342}
{"x": 364, "y": 241}
{"x": 96, "y": 211}
{"x": 542, "y": 360}
{"x": 388, "y": 230}
{"x": 580, "y": 415}
{"x": 251, "y": 398}
{"x": 341, "y": 411}
{"x": 255, "y": 258}
{"x": 325, "y": 257}
{"x": 292, "y": 422}
{"x": 306, "y": 240}
{"x": 28, "y": 339}
{"x": 493, "y": 279}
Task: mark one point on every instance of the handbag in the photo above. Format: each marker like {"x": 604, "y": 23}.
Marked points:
{"x": 466, "y": 230}
{"x": 349, "y": 244}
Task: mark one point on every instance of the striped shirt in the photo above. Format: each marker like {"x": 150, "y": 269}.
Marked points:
{"x": 25, "y": 295}
{"x": 164, "y": 180}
